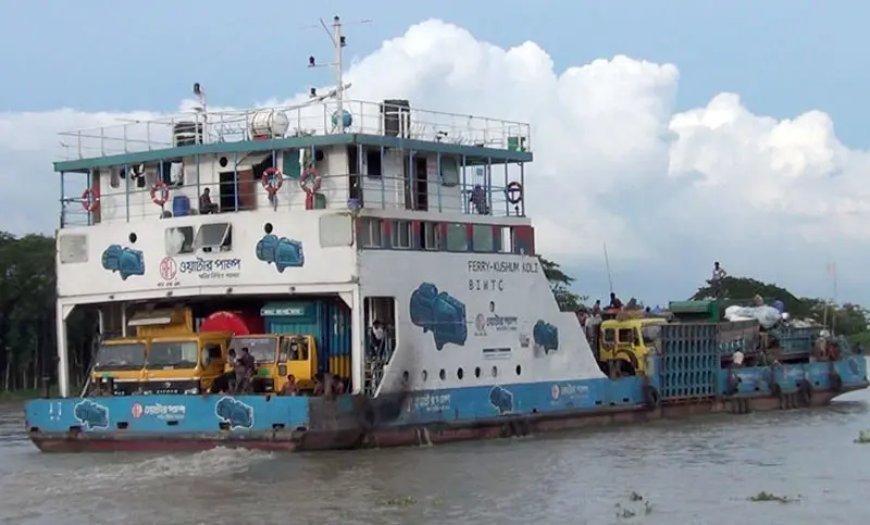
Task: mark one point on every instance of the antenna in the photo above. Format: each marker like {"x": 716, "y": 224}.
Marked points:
{"x": 339, "y": 41}
{"x": 607, "y": 262}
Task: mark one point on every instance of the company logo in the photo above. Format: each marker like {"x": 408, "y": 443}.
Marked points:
{"x": 480, "y": 325}
{"x": 555, "y": 392}
{"x": 168, "y": 268}
{"x": 136, "y": 410}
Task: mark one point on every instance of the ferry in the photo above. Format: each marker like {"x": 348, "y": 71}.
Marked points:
{"x": 370, "y": 269}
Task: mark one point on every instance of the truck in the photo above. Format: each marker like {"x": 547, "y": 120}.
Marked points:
{"x": 278, "y": 356}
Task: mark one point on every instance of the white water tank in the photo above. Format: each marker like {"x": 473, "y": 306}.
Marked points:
{"x": 269, "y": 124}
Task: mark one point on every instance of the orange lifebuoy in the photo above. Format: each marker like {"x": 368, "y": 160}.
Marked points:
{"x": 310, "y": 180}
{"x": 161, "y": 199}
{"x": 90, "y": 200}
{"x": 272, "y": 180}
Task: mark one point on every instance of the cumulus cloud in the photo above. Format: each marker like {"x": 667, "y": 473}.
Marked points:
{"x": 668, "y": 191}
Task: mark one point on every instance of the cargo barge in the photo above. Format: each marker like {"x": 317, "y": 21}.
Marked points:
{"x": 372, "y": 269}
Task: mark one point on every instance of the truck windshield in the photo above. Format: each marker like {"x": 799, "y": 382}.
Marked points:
{"x": 173, "y": 354}
{"x": 128, "y": 356}
{"x": 262, "y": 348}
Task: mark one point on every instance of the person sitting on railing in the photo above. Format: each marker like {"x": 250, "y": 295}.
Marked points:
{"x": 478, "y": 198}
{"x": 205, "y": 204}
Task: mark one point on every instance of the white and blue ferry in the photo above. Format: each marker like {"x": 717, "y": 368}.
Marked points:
{"x": 321, "y": 219}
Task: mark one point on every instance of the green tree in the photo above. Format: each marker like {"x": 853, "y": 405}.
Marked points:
{"x": 560, "y": 283}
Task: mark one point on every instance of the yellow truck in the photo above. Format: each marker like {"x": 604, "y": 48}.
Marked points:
{"x": 118, "y": 366}
{"x": 185, "y": 364}
{"x": 277, "y": 356}
{"x": 625, "y": 343}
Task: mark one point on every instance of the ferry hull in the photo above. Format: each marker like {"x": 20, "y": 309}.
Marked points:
{"x": 352, "y": 422}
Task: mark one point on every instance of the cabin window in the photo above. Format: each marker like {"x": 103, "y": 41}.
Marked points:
{"x": 371, "y": 233}
{"x": 295, "y": 349}
{"x": 609, "y": 335}
{"x": 457, "y": 238}
{"x": 503, "y": 239}
{"x": 179, "y": 240}
{"x": 432, "y": 236}
{"x": 373, "y": 162}
{"x": 401, "y": 235}
{"x": 214, "y": 237}
{"x": 482, "y": 238}
{"x": 626, "y": 335}
{"x": 211, "y": 353}
{"x": 449, "y": 171}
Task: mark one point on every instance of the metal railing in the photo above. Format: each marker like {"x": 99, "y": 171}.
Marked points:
{"x": 339, "y": 192}
{"x": 373, "y": 118}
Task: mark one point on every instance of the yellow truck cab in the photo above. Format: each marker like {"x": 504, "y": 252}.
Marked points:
{"x": 185, "y": 364}
{"x": 625, "y": 343}
{"x": 119, "y": 366}
{"x": 278, "y": 356}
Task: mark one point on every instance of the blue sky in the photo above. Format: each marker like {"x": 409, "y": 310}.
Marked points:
{"x": 781, "y": 59}
{"x": 782, "y": 56}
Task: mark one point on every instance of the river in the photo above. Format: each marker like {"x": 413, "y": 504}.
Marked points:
{"x": 692, "y": 471}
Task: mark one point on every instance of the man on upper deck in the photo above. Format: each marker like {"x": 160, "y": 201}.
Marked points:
{"x": 205, "y": 204}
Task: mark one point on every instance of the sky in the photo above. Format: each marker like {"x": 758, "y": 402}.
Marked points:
{"x": 677, "y": 132}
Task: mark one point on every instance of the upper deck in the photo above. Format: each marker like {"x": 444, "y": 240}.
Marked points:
{"x": 379, "y": 155}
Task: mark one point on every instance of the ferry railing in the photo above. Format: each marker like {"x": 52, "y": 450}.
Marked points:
{"x": 375, "y": 118}
{"x": 337, "y": 192}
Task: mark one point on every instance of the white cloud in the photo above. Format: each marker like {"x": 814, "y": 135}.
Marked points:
{"x": 668, "y": 191}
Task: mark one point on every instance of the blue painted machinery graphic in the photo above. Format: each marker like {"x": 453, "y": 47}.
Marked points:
{"x": 284, "y": 252}
{"x": 546, "y": 336}
{"x": 439, "y": 313}
{"x": 125, "y": 261}
{"x": 91, "y": 415}
{"x": 501, "y": 399}
{"x": 234, "y": 412}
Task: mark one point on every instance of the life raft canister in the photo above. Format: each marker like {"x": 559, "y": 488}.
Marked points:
{"x": 159, "y": 193}
{"x": 272, "y": 180}
{"x": 90, "y": 200}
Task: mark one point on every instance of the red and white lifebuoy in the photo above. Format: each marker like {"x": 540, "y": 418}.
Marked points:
{"x": 272, "y": 180}
{"x": 310, "y": 180}
{"x": 90, "y": 200}
{"x": 159, "y": 193}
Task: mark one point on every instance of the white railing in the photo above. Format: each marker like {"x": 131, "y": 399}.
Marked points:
{"x": 303, "y": 120}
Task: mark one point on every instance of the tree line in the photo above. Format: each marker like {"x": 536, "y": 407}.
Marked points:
{"x": 28, "y": 295}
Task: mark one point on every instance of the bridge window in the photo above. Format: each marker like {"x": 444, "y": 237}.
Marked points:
{"x": 432, "y": 236}
{"x": 457, "y": 237}
{"x": 401, "y": 235}
{"x": 449, "y": 171}
{"x": 179, "y": 240}
{"x": 371, "y": 233}
{"x": 482, "y": 238}
{"x": 373, "y": 162}
{"x": 214, "y": 237}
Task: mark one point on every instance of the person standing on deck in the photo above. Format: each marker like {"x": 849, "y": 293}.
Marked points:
{"x": 716, "y": 282}
{"x": 378, "y": 341}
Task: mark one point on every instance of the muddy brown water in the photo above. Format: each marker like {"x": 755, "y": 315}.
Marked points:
{"x": 701, "y": 471}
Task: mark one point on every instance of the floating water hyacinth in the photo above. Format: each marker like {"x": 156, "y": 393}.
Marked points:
{"x": 863, "y": 437}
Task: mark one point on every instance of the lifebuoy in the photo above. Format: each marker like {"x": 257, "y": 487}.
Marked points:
{"x": 272, "y": 180}
{"x": 163, "y": 197}
{"x": 514, "y": 192}
{"x": 90, "y": 200}
{"x": 310, "y": 181}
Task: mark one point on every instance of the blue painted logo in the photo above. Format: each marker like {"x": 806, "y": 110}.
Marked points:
{"x": 125, "y": 261}
{"x": 283, "y": 252}
{"x": 501, "y": 399}
{"x": 546, "y": 336}
{"x": 234, "y": 412}
{"x": 92, "y": 415}
{"x": 853, "y": 365}
{"x": 439, "y": 313}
